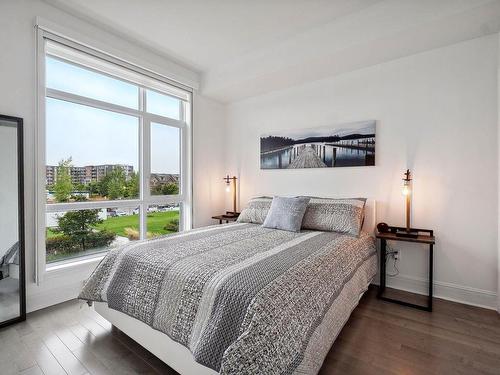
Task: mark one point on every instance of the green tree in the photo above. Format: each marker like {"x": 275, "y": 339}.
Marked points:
{"x": 170, "y": 189}
{"x": 166, "y": 189}
{"x": 63, "y": 186}
{"x": 78, "y": 225}
{"x": 93, "y": 187}
{"x": 156, "y": 190}
{"x": 116, "y": 184}
{"x": 132, "y": 186}
{"x": 103, "y": 185}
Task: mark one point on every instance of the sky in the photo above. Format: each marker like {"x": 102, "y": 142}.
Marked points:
{"x": 92, "y": 136}
{"x": 361, "y": 127}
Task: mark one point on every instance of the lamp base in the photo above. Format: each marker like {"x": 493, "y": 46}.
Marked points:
{"x": 231, "y": 214}
{"x": 407, "y": 234}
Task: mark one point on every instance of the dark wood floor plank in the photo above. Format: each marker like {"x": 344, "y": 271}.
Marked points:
{"x": 380, "y": 338}
{"x": 457, "y": 323}
{"x": 91, "y": 361}
{"x": 82, "y": 333}
{"x": 385, "y": 333}
{"x": 114, "y": 356}
{"x": 15, "y": 351}
{"x": 64, "y": 356}
{"x": 110, "y": 351}
{"x": 44, "y": 358}
{"x": 146, "y": 356}
{"x": 339, "y": 361}
{"x": 402, "y": 340}
{"x": 35, "y": 370}
{"x": 435, "y": 331}
{"x": 60, "y": 322}
{"x": 8, "y": 367}
{"x": 46, "y": 329}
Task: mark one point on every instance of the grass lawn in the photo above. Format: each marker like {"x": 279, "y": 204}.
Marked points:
{"x": 156, "y": 222}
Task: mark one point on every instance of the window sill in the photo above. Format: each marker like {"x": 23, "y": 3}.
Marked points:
{"x": 74, "y": 263}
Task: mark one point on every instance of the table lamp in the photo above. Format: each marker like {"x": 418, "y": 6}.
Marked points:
{"x": 407, "y": 232}
{"x": 228, "y": 181}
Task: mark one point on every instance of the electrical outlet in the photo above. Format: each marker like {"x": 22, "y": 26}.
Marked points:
{"x": 395, "y": 254}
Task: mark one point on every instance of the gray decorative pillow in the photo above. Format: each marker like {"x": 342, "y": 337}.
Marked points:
{"x": 256, "y": 210}
{"x": 286, "y": 213}
{"x": 335, "y": 215}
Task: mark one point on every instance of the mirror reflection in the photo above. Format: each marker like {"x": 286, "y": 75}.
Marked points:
{"x": 9, "y": 223}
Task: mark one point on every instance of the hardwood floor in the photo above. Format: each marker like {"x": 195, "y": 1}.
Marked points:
{"x": 385, "y": 338}
{"x": 379, "y": 338}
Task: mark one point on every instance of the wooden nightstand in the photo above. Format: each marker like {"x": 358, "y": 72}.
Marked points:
{"x": 425, "y": 236}
{"x": 228, "y": 216}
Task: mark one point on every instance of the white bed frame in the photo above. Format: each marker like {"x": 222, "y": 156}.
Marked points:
{"x": 172, "y": 353}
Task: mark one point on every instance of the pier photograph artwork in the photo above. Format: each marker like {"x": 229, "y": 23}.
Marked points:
{"x": 343, "y": 145}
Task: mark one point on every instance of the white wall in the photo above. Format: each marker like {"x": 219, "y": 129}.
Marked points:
{"x": 436, "y": 114}
{"x": 17, "y": 98}
{"x": 208, "y": 160}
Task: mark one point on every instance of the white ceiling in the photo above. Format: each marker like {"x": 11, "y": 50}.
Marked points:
{"x": 244, "y": 48}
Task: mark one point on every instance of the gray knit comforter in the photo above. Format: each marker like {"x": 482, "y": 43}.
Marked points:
{"x": 244, "y": 299}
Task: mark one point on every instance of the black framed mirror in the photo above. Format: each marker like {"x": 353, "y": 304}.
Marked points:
{"x": 12, "y": 264}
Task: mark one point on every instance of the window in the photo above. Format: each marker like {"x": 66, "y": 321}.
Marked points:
{"x": 114, "y": 144}
{"x": 165, "y": 159}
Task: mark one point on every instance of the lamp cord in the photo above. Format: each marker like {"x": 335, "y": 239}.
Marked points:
{"x": 395, "y": 266}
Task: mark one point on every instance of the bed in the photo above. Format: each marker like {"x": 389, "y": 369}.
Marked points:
{"x": 236, "y": 298}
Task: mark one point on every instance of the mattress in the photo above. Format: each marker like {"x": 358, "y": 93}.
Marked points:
{"x": 242, "y": 298}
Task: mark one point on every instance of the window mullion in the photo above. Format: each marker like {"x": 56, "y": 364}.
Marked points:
{"x": 185, "y": 180}
{"x": 165, "y": 120}
{"x": 99, "y": 104}
{"x": 145, "y": 157}
{"x": 89, "y": 205}
{"x": 89, "y": 102}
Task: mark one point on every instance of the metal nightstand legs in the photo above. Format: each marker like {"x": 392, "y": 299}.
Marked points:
{"x": 431, "y": 268}
{"x": 380, "y": 294}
